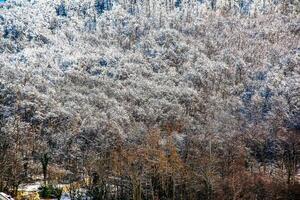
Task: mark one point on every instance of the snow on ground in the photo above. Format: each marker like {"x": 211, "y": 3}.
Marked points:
{"x": 31, "y": 187}
{"x": 65, "y": 196}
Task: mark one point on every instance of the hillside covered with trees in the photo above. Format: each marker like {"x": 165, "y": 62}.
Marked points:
{"x": 151, "y": 99}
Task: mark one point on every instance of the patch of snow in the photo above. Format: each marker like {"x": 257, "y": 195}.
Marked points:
{"x": 33, "y": 187}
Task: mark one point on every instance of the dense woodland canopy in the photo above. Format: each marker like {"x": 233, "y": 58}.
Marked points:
{"x": 152, "y": 99}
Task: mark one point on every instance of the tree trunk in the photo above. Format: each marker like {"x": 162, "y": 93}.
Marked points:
{"x": 137, "y": 191}
{"x": 45, "y": 161}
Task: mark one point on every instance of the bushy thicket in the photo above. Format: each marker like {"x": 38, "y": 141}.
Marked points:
{"x": 215, "y": 85}
{"x": 50, "y": 191}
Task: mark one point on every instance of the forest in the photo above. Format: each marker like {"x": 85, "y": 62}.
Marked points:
{"x": 151, "y": 99}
